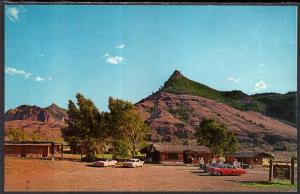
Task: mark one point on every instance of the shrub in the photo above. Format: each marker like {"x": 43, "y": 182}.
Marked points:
{"x": 90, "y": 157}
{"x": 16, "y": 134}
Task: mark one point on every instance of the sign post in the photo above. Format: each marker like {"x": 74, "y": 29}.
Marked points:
{"x": 292, "y": 172}
{"x": 270, "y": 169}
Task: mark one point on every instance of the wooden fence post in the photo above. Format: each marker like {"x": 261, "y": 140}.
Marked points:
{"x": 62, "y": 150}
{"x": 270, "y": 169}
{"x": 292, "y": 172}
{"x": 81, "y": 155}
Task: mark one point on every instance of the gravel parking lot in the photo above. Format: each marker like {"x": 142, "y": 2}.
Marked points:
{"x": 42, "y": 175}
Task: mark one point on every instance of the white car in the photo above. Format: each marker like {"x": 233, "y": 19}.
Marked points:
{"x": 133, "y": 163}
{"x": 105, "y": 163}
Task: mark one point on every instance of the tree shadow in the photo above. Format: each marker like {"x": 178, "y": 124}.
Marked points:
{"x": 199, "y": 172}
{"x": 93, "y": 166}
{"x": 72, "y": 159}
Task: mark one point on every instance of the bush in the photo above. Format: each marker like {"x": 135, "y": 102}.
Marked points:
{"x": 90, "y": 157}
{"x": 16, "y": 134}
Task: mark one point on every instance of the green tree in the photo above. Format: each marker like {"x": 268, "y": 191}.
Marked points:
{"x": 85, "y": 124}
{"x": 121, "y": 149}
{"x": 16, "y": 134}
{"x": 126, "y": 125}
{"x": 216, "y": 137}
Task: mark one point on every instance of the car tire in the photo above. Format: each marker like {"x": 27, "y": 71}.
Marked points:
{"x": 219, "y": 174}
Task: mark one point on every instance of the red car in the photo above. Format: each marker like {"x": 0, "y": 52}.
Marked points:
{"x": 227, "y": 170}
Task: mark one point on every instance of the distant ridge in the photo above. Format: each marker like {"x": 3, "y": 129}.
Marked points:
{"x": 52, "y": 113}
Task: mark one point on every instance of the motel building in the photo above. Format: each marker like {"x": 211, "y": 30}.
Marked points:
{"x": 179, "y": 154}
{"x": 252, "y": 159}
{"x": 29, "y": 149}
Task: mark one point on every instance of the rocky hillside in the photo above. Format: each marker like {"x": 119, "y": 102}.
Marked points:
{"x": 177, "y": 109}
{"x": 56, "y": 113}
{"x": 52, "y": 113}
{"x": 278, "y": 106}
{"x": 45, "y": 131}
{"x": 44, "y": 123}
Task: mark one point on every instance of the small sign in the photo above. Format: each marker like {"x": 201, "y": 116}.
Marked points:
{"x": 281, "y": 171}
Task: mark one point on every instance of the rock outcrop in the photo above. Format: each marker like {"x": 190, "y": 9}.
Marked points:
{"x": 52, "y": 113}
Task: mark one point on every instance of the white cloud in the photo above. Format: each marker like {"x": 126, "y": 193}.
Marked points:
{"x": 261, "y": 64}
{"x": 14, "y": 71}
{"x": 120, "y": 46}
{"x": 41, "y": 55}
{"x": 233, "y": 80}
{"x": 106, "y": 55}
{"x": 114, "y": 60}
{"x": 259, "y": 86}
{"x": 39, "y": 79}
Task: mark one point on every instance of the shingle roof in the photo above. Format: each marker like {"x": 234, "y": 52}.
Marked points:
{"x": 29, "y": 143}
{"x": 172, "y": 148}
{"x": 249, "y": 155}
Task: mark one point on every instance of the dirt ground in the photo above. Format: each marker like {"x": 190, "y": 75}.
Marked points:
{"x": 44, "y": 175}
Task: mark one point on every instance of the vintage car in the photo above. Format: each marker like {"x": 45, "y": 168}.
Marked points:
{"x": 205, "y": 167}
{"x": 226, "y": 169}
{"x": 133, "y": 163}
{"x": 105, "y": 163}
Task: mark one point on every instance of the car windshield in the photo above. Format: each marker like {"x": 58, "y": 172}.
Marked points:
{"x": 224, "y": 166}
{"x": 133, "y": 160}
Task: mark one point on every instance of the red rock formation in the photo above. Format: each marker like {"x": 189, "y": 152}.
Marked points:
{"x": 34, "y": 113}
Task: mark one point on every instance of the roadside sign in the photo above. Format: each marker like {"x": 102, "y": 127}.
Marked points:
{"x": 282, "y": 171}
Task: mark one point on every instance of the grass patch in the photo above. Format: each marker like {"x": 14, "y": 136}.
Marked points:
{"x": 106, "y": 156}
{"x": 279, "y": 184}
{"x": 110, "y": 156}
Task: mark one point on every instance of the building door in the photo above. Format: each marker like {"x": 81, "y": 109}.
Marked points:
{"x": 188, "y": 157}
{"x": 23, "y": 151}
{"x": 45, "y": 151}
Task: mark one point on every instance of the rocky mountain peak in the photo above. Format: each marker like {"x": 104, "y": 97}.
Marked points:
{"x": 53, "y": 105}
{"x": 176, "y": 74}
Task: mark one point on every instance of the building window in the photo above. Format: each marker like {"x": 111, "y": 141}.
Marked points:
{"x": 255, "y": 159}
{"x": 172, "y": 156}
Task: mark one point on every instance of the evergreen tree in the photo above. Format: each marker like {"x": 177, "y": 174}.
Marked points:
{"x": 216, "y": 137}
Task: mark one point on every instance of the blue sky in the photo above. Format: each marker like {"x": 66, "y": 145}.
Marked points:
{"x": 54, "y": 51}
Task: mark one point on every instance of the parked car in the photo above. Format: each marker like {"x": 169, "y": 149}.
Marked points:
{"x": 105, "y": 163}
{"x": 226, "y": 170}
{"x": 133, "y": 163}
{"x": 207, "y": 166}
